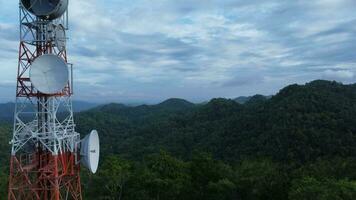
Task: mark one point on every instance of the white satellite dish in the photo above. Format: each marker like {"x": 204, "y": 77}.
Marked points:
{"x": 49, "y": 74}
{"x": 90, "y": 151}
{"x": 60, "y": 37}
{"x": 46, "y": 9}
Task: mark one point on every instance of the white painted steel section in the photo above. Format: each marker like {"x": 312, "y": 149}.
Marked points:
{"x": 45, "y": 122}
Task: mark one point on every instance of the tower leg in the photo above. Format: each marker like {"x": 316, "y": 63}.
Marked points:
{"x": 56, "y": 194}
{"x": 21, "y": 184}
{"x": 58, "y": 179}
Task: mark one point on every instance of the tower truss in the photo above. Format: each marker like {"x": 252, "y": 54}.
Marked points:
{"x": 44, "y": 153}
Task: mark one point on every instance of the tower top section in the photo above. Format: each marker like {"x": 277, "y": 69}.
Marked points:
{"x": 46, "y": 9}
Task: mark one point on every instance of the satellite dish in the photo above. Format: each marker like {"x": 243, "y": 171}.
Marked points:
{"x": 46, "y": 9}
{"x": 60, "y": 37}
{"x": 49, "y": 74}
{"x": 90, "y": 151}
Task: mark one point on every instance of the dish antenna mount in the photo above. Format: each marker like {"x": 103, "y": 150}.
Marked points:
{"x": 90, "y": 151}
{"x": 46, "y": 9}
{"x": 49, "y": 74}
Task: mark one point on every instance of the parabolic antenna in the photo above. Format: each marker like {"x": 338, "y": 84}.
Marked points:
{"x": 46, "y": 9}
{"x": 90, "y": 151}
{"x": 60, "y": 37}
{"x": 49, "y": 74}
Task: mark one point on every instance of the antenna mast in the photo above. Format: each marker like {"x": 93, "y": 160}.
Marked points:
{"x": 45, "y": 146}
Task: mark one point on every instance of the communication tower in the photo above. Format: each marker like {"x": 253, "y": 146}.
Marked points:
{"x": 46, "y": 150}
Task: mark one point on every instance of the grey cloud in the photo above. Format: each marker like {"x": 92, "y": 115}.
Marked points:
{"x": 144, "y": 50}
{"x": 243, "y": 81}
{"x": 9, "y": 32}
{"x": 338, "y": 75}
{"x": 252, "y": 45}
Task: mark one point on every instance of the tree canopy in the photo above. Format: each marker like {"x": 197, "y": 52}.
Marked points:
{"x": 298, "y": 144}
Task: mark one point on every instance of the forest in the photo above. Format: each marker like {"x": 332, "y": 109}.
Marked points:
{"x": 299, "y": 144}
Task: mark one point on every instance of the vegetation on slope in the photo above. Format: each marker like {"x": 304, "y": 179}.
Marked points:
{"x": 299, "y": 144}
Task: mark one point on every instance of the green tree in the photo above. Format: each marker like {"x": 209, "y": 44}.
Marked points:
{"x": 3, "y": 183}
{"x": 309, "y": 188}
{"x": 112, "y": 178}
{"x": 261, "y": 179}
{"x": 211, "y": 179}
{"x": 165, "y": 177}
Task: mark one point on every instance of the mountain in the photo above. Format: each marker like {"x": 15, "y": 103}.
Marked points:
{"x": 175, "y": 103}
{"x": 7, "y": 109}
{"x": 244, "y": 99}
{"x": 169, "y": 104}
{"x": 145, "y": 112}
{"x": 288, "y": 126}
{"x": 291, "y": 146}
{"x": 79, "y": 106}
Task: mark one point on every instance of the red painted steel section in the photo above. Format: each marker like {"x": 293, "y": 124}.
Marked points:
{"x": 42, "y": 176}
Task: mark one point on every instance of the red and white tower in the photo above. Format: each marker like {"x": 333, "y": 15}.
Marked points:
{"x": 46, "y": 149}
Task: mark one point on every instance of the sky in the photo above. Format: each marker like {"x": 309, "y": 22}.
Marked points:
{"x": 150, "y": 50}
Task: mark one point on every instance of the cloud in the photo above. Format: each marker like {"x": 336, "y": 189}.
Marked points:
{"x": 198, "y": 49}
{"x": 338, "y": 75}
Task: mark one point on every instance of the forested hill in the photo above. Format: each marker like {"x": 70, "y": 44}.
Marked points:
{"x": 299, "y": 144}
{"x": 144, "y": 111}
{"x": 299, "y": 124}
{"x": 7, "y": 109}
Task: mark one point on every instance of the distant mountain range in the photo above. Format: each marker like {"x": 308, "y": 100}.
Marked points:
{"x": 7, "y": 109}
{"x": 244, "y": 99}
{"x": 302, "y": 139}
{"x": 283, "y": 126}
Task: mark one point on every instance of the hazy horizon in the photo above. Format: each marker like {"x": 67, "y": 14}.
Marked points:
{"x": 152, "y": 102}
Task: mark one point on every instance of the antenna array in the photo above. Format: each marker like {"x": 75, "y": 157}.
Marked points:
{"x": 46, "y": 149}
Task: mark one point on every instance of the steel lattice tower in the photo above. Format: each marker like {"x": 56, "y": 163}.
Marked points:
{"x": 44, "y": 157}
